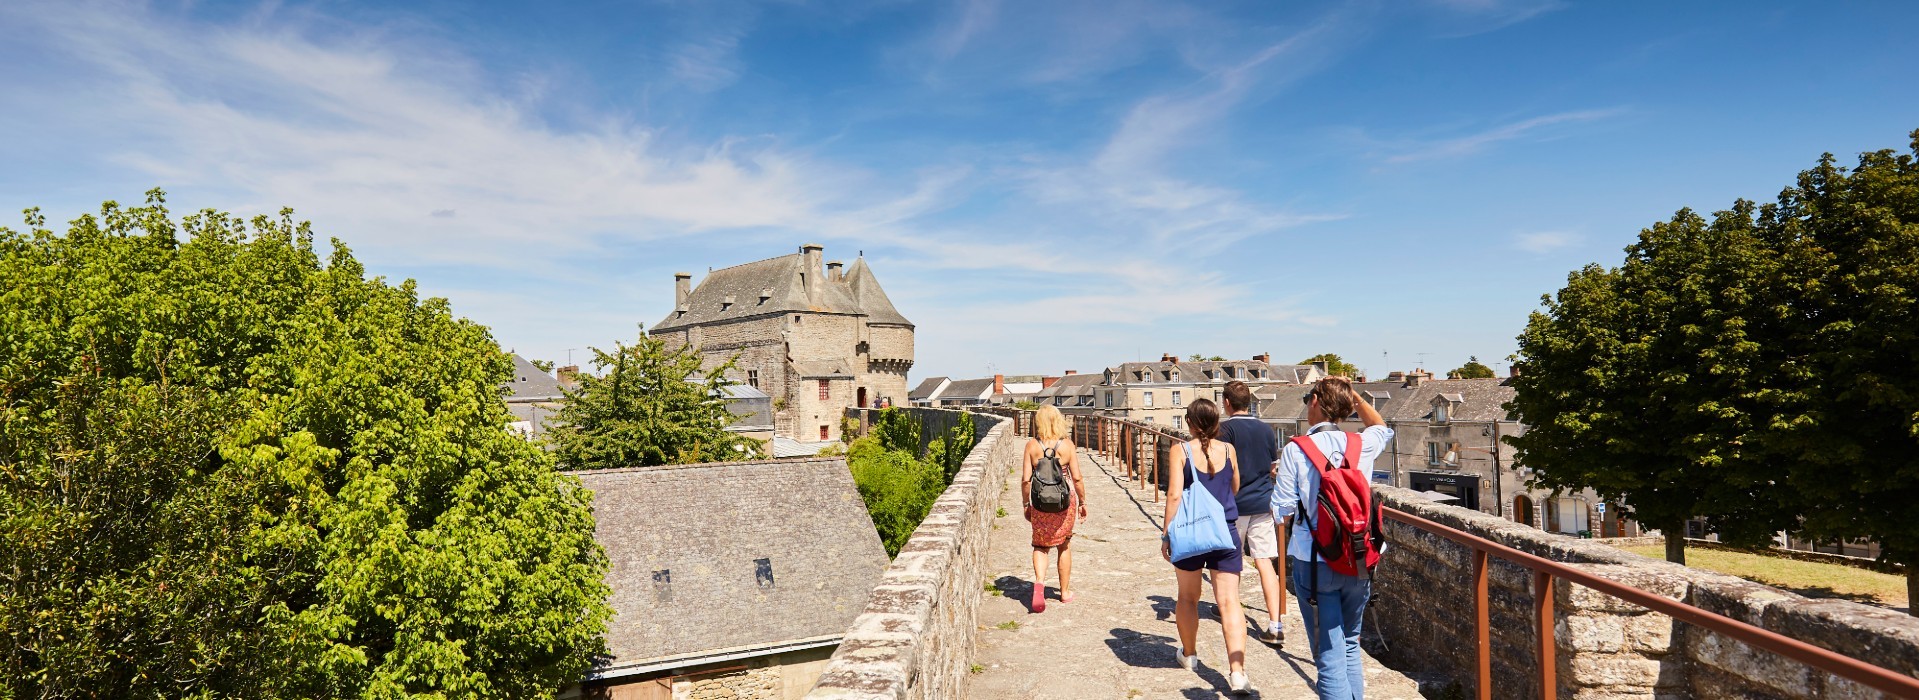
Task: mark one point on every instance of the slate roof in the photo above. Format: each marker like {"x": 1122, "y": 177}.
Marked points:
{"x": 1073, "y": 385}
{"x": 774, "y": 285}
{"x": 1196, "y": 372}
{"x": 969, "y": 389}
{"x": 804, "y": 517}
{"x": 1479, "y": 399}
{"x": 752, "y": 409}
{"x": 926, "y": 388}
{"x": 531, "y": 384}
{"x": 533, "y": 414}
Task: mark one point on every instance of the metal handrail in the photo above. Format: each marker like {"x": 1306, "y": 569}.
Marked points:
{"x": 1544, "y": 570}
{"x": 1124, "y": 440}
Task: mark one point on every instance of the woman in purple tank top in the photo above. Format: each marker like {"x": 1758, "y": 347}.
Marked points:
{"x": 1218, "y": 471}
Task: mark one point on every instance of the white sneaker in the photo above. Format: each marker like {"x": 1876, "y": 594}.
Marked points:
{"x": 1189, "y": 663}
{"x": 1238, "y": 683}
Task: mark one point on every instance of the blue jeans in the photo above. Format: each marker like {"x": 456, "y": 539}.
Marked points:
{"x": 1333, "y": 626}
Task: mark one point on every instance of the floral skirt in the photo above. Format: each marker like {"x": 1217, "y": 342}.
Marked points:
{"x": 1054, "y": 529}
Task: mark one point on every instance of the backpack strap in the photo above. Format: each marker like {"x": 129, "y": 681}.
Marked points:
{"x": 1351, "y": 457}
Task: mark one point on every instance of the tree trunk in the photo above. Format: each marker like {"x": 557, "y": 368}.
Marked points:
{"x": 1912, "y": 592}
{"x": 1676, "y": 544}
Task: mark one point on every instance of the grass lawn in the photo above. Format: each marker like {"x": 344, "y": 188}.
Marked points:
{"x": 1810, "y": 579}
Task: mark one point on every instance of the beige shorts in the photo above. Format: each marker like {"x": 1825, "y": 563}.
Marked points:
{"x": 1257, "y": 536}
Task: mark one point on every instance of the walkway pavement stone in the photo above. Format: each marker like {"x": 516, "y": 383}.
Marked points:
{"x": 1116, "y": 639}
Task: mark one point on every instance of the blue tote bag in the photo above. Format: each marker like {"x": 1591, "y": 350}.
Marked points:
{"x": 1199, "y": 526}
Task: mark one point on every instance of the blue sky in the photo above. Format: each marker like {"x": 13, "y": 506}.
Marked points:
{"x": 1040, "y": 186}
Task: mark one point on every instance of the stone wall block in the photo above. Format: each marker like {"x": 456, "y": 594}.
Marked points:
{"x": 1589, "y": 632}
{"x": 1615, "y": 672}
{"x": 1650, "y": 633}
{"x": 1756, "y": 666}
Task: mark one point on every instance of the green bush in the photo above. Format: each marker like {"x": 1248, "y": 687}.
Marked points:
{"x": 898, "y": 489}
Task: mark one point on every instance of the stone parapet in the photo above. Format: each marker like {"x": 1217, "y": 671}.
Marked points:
{"x": 1608, "y": 648}
{"x": 916, "y": 638}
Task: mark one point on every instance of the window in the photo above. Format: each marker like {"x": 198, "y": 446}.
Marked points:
{"x": 1442, "y": 411}
{"x": 1176, "y": 405}
{"x": 826, "y": 390}
{"x": 763, "y": 572}
{"x": 1432, "y": 453}
{"x": 1179, "y": 423}
{"x": 1149, "y": 419}
{"x": 823, "y": 437}
{"x": 1109, "y": 404}
{"x": 753, "y": 378}
{"x": 663, "y": 584}
{"x": 1172, "y": 376}
{"x": 1149, "y": 404}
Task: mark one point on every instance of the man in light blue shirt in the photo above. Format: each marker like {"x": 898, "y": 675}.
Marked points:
{"x": 1332, "y": 609}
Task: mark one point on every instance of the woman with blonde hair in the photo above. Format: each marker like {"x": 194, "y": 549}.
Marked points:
{"x": 1051, "y": 453}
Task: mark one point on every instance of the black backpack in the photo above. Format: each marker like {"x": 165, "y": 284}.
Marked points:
{"x": 1050, "y": 492}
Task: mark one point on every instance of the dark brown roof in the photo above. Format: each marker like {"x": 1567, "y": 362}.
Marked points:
{"x": 774, "y": 286}
{"x": 706, "y": 525}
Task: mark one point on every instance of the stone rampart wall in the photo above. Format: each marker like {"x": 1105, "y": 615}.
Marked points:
{"x": 1423, "y": 610}
{"x": 916, "y": 638}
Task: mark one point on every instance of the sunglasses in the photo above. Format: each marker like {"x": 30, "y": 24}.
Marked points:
{"x": 1307, "y": 399}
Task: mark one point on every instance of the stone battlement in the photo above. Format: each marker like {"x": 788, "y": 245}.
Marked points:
{"x": 916, "y": 637}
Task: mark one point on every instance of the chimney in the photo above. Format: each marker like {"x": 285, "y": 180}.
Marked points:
{"x": 1417, "y": 377}
{"x": 810, "y": 272}
{"x": 1168, "y": 357}
{"x": 835, "y": 270}
{"x": 1048, "y": 382}
{"x": 1265, "y": 357}
{"x": 1325, "y": 370}
{"x": 682, "y": 288}
{"x": 569, "y": 376}
{"x": 999, "y": 387}
{"x": 1512, "y": 371}
{"x": 1396, "y": 376}
{"x": 1072, "y": 371}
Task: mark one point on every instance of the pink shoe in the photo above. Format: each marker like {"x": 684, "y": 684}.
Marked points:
{"x": 1039, "y": 599}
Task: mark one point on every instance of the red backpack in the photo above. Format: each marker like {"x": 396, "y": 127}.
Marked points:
{"x": 1345, "y": 522}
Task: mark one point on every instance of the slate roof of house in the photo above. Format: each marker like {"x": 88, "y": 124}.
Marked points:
{"x": 531, "y": 384}
{"x": 532, "y": 413}
{"x": 1197, "y": 372}
{"x": 1479, "y": 399}
{"x": 969, "y": 389}
{"x": 774, "y": 285}
{"x": 925, "y": 389}
{"x": 871, "y": 299}
{"x": 1072, "y": 385}
{"x": 804, "y": 516}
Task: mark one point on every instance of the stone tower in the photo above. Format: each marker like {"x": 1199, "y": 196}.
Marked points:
{"x": 817, "y": 337}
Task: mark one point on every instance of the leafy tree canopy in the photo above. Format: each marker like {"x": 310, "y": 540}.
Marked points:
{"x": 1471, "y": 370}
{"x": 1334, "y": 365}
{"x": 232, "y": 468}
{"x": 651, "y": 405}
{"x": 1196, "y": 357}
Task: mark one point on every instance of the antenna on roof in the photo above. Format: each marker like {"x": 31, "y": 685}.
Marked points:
{"x": 1422, "y": 359}
{"x": 569, "y": 356}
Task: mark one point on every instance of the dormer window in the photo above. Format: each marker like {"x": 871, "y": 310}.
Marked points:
{"x": 726, "y": 302}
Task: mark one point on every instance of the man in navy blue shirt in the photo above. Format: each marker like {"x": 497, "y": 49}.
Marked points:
{"x": 1258, "y": 448}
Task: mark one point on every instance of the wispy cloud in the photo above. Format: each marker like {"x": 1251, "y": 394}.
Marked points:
{"x": 1535, "y": 128}
{"x": 1543, "y": 242}
{"x": 390, "y": 143}
{"x": 1473, "y": 17}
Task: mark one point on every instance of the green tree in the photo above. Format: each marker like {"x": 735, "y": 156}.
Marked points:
{"x": 543, "y": 365}
{"x": 897, "y": 431}
{"x": 1196, "y": 357}
{"x": 230, "y": 467}
{"x": 1851, "y": 444}
{"x": 1471, "y": 370}
{"x": 1334, "y": 366}
{"x": 1026, "y": 405}
{"x": 651, "y": 405}
{"x": 1654, "y": 384}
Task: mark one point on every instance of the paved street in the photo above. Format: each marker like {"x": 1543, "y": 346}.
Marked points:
{"x": 1116, "y": 639}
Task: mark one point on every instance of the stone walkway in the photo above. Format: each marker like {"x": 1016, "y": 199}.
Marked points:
{"x": 1116, "y": 639}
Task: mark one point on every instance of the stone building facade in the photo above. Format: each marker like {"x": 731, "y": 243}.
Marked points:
{"x": 1449, "y": 437}
{"x": 817, "y": 338}
{"x": 1157, "y": 392}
